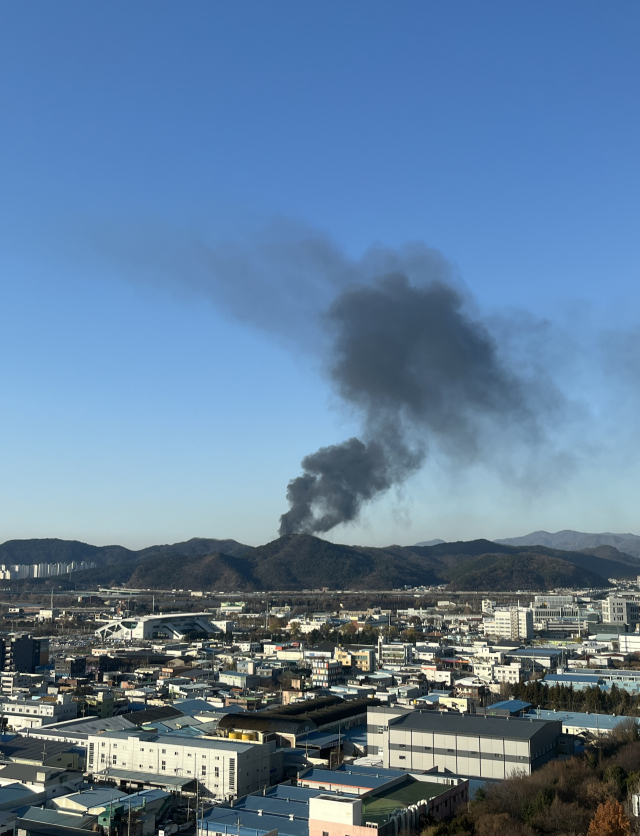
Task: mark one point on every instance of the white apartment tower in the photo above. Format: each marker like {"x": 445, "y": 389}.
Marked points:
{"x": 515, "y": 623}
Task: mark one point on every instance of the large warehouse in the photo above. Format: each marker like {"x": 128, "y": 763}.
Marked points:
{"x": 474, "y": 745}
{"x": 174, "y": 626}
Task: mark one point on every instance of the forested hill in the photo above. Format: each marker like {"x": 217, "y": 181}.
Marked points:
{"x": 297, "y": 562}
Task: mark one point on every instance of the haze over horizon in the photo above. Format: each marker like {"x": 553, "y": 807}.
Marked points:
{"x": 189, "y": 189}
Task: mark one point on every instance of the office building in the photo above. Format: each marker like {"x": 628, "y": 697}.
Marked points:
{"x": 620, "y": 611}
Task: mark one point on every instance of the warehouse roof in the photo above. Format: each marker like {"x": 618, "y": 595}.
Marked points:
{"x": 151, "y": 715}
{"x": 567, "y": 678}
{"x": 484, "y": 725}
{"x": 333, "y": 778}
{"x": 602, "y": 722}
{"x": 228, "y": 819}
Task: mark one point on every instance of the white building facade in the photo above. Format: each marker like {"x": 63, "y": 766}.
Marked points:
{"x": 224, "y": 768}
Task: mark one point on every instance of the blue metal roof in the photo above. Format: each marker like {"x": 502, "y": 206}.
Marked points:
{"x": 226, "y": 820}
{"x": 602, "y": 722}
{"x": 328, "y": 777}
{"x": 276, "y": 806}
{"x": 568, "y": 678}
{"x": 375, "y": 771}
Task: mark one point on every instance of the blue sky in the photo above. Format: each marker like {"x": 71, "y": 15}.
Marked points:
{"x": 138, "y": 410}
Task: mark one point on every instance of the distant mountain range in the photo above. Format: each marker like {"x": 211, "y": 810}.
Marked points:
{"x": 568, "y": 540}
{"x": 297, "y": 562}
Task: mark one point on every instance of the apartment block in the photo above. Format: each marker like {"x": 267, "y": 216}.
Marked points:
{"x": 514, "y": 623}
{"x": 23, "y": 653}
{"x": 325, "y": 672}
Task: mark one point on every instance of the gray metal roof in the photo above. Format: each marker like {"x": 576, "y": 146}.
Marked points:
{"x": 56, "y": 817}
{"x": 477, "y": 724}
{"x": 151, "y": 778}
{"x": 28, "y": 772}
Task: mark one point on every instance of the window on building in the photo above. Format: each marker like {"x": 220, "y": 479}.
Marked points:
{"x": 217, "y": 771}
{"x": 164, "y": 751}
{"x": 402, "y": 758}
{"x": 163, "y": 765}
{"x": 204, "y": 770}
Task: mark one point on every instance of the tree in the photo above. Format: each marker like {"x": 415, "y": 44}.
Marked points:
{"x": 609, "y": 820}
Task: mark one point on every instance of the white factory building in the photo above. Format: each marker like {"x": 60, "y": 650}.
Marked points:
{"x": 224, "y": 768}
{"x": 174, "y": 626}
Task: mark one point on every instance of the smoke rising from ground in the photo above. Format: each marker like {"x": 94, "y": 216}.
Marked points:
{"x": 399, "y": 339}
{"x": 418, "y": 369}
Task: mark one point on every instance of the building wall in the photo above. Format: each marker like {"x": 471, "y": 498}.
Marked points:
{"x": 32, "y": 714}
{"x": 491, "y": 755}
{"x": 225, "y": 771}
{"x": 378, "y": 719}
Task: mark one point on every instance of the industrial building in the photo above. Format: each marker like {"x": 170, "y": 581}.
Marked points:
{"x": 223, "y": 768}
{"x": 350, "y": 801}
{"x": 480, "y": 746}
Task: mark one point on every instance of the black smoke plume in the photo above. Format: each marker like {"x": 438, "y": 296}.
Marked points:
{"x": 418, "y": 369}
{"x": 404, "y": 350}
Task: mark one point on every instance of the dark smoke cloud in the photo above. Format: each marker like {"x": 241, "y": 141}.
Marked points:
{"x": 418, "y": 369}
{"x": 402, "y": 345}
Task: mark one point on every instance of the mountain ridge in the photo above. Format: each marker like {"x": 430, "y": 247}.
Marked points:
{"x": 569, "y": 540}
{"x": 301, "y": 561}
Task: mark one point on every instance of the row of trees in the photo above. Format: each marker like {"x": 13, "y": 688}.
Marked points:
{"x": 566, "y": 698}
